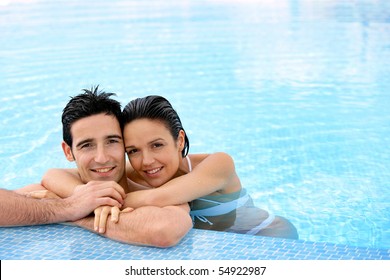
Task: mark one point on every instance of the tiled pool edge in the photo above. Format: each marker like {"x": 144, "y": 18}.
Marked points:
{"x": 60, "y": 242}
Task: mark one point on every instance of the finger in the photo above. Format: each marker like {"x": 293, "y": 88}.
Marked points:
{"x": 103, "y": 219}
{"x": 107, "y": 185}
{"x": 115, "y": 214}
{"x": 109, "y": 192}
{"x": 113, "y": 193}
{"x": 97, "y": 218}
{"x": 127, "y": 210}
{"x": 38, "y": 194}
{"x": 49, "y": 194}
{"x": 121, "y": 191}
{"x": 118, "y": 188}
{"x": 108, "y": 201}
{"x": 52, "y": 195}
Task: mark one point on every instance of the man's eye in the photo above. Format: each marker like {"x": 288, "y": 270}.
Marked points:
{"x": 113, "y": 141}
{"x": 86, "y": 146}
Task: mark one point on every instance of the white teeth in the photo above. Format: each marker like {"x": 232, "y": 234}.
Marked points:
{"x": 153, "y": 171}
{"x": 103, "y": 170}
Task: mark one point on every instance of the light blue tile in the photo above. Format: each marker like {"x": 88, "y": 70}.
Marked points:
{"x": 55, "y": 242}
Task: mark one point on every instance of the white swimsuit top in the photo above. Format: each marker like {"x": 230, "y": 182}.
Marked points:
{"x": 226, "y": 207}
{"x": 189, "y": 163}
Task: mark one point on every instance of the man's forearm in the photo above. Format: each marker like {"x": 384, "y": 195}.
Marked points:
{"x": 148, "y": 225}
{"x": 16, "y": 209}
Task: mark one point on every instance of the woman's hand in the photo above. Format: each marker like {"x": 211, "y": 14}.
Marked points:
{"x": 42, "y": 194}
{"x": 102, "y": 213}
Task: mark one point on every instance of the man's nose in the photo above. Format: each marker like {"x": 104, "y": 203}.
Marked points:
{"x": 101, "y": 155}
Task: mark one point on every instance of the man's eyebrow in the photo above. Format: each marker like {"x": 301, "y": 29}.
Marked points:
{"x": 115, "y": 136}
{"x": 88, "y": 140}
{"x": 83, "y": 142}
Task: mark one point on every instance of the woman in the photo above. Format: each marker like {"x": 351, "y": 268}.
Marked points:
{"x": 157, "y": 147}
{"x": 161, "y": 173}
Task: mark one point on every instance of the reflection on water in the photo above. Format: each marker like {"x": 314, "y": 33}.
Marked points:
{"x": 295, "y": 91}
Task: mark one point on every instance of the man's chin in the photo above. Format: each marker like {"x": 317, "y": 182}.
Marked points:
{"x": 104, "y": 178}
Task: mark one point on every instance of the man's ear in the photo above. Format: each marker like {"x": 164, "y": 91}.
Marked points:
{"x": 67, "y": 151}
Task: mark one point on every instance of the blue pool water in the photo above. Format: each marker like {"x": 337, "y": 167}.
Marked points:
{"x": 296, "y": 91}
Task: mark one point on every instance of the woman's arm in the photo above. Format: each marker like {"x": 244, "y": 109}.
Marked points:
{"x": 62, "y": 182}
{"x": 214, "y": 172}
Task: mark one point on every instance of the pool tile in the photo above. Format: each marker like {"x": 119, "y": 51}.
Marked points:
{"x": 61, "y": 242}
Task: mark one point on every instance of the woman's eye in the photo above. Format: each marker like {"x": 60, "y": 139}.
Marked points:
{"x": 157, "y": 145}
{"x": 131, "y": 152}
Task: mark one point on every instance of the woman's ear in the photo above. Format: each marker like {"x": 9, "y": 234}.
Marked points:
{"x": 181, "y": 140}
{"x": 67, "y": 151}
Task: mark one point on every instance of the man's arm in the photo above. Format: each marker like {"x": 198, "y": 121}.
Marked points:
{"x": 148, "y": 225}
{"x": 17, "y": 209}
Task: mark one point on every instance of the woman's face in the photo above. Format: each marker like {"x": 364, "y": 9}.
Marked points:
{"x": 153, "y": 153}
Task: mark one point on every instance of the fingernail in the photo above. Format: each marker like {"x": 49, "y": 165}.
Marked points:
{"x": 101, "y": 230}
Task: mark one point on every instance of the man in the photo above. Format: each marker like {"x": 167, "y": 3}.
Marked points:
{"x": 92, "y": 133}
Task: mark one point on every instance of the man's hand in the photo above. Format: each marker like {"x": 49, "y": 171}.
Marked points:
{"x": 86, "y": 198}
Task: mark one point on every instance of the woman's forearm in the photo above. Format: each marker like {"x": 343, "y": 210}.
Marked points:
{"x": 62, "y": 182}
{"x": 214, "y": 173}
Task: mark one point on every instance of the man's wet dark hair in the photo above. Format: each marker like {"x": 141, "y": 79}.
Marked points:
{"x": 91, "y": 102}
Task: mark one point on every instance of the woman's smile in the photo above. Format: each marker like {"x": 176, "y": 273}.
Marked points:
{"x": 153, "y": 171}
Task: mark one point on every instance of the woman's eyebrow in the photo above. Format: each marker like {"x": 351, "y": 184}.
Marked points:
{"x": 150, "y": 142}
{"x": 155, "y": 140}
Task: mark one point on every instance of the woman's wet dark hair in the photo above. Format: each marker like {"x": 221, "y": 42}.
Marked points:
{"x": 156, "y": 107}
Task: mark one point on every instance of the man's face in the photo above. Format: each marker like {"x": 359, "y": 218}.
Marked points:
{"x": 97, "y": 148}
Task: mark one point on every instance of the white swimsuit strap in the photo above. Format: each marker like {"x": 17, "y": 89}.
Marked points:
{"x": 221, "y": 208}
{"x": 263, "y": 225}
{"x": 189, "y": 163}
